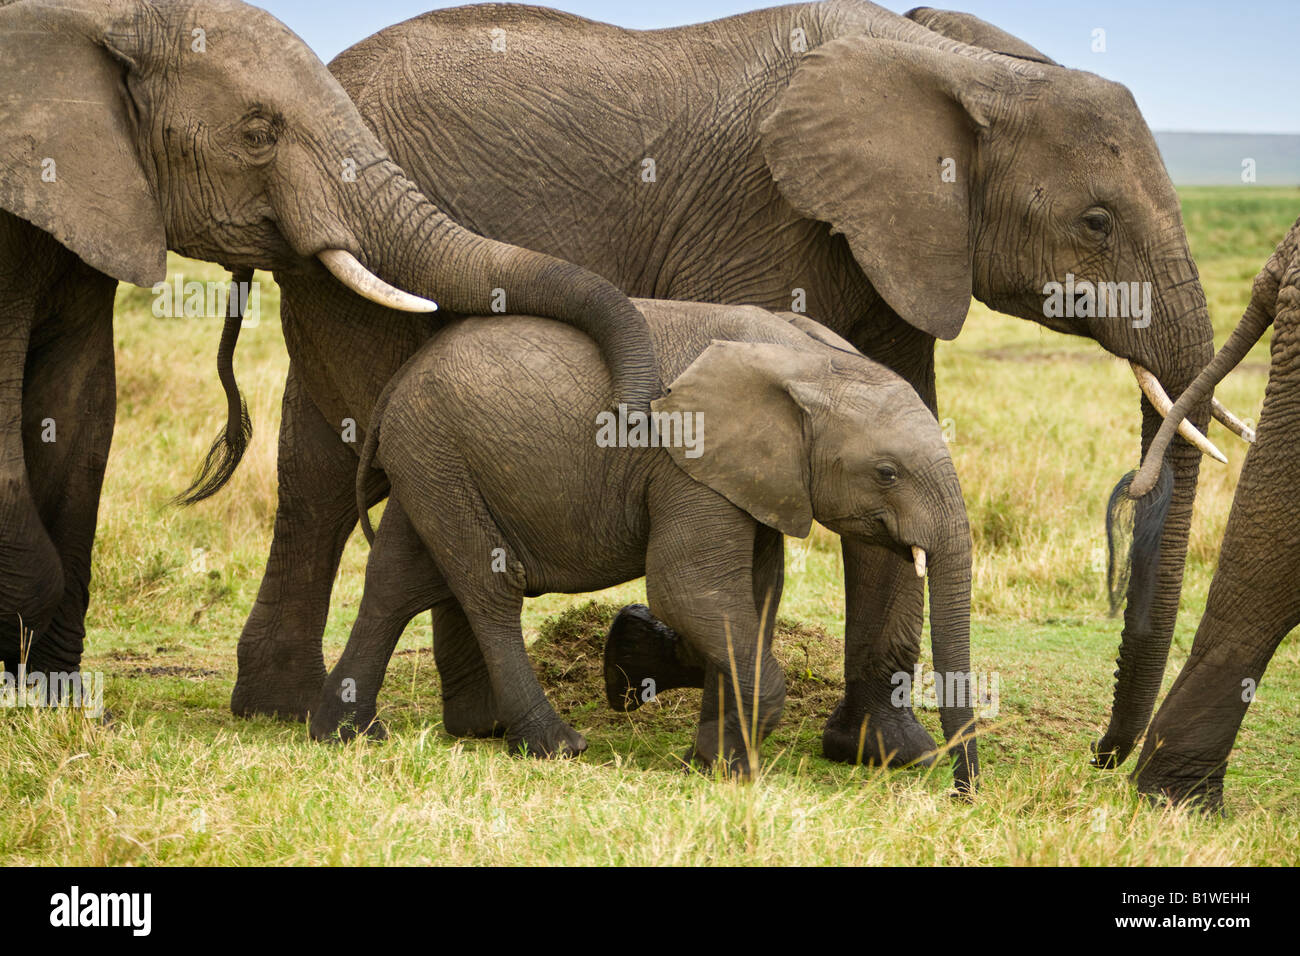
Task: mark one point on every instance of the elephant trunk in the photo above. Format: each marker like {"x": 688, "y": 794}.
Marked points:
{"x": 955, "y": 684}
{"x": 1155, "y": 588}
{"x": 433, "y": 256}
{"x": 1254, "y": 321}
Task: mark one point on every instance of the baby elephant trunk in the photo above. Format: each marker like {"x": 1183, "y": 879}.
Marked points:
{"x": 949, "y": 574}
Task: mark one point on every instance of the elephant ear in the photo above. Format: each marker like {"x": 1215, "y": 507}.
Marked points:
{"x": 878, "y": 139}
{"x": 973, "y": 31}
{"x": 68, "y": 157}
{"x": 752, "y": 400}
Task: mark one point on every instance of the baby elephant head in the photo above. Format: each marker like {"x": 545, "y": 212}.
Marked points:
{"x": 792, "y": 434}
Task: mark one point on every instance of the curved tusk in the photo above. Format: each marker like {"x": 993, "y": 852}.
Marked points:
{"x": 1231, "y": 421}
{"x": 918, "y": 558}
{"x": 1158, "y": 397}
{"x": 344, "y": 266}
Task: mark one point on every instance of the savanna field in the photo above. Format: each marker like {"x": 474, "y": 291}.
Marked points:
{"x": 1041, "y": 427}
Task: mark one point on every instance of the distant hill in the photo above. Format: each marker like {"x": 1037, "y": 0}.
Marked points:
{"x": 1215, "y": 159}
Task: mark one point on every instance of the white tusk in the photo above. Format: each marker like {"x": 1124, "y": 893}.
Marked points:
{"x": 918, "y": 558}
{"x": 1158, "y": 397}
{"x": 345, "y": 267}
{"x": 1230, "y": 421}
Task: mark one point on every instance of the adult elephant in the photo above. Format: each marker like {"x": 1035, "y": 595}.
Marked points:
{"x": 1253, "y": 601}
{"x": 870, "y": 169}
{"x": 130, "y": 127}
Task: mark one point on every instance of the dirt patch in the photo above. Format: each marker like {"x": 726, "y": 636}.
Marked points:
{"x": 569, "y": 658}
{"x": 171, "y": 670}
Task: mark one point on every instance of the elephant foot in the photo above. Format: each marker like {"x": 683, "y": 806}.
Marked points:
{"x": 345, "y": 726}
{"x": 471, "y": 715}
{"x": 704, "y": 756}
{"x": 283, "y": 699}
{"x": 885, "y": 735}
{"x": 1164, "y": 781}
{"x": 554, "y": 740}
{"x": 642, "y": 659}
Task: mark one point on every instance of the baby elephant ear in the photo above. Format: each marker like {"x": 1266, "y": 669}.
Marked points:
{"x": 748, "y": 404}
{"x": 68, "y": 157}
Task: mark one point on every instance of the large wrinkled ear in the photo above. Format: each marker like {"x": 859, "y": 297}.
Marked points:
{"x": 749, "y": 404}
{"x": 971, "y": 30}
{"x": 68, "y": 157}
{"x": 878, "y": 139}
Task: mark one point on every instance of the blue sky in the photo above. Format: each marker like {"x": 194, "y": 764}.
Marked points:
{"x": 1192, "y": 65}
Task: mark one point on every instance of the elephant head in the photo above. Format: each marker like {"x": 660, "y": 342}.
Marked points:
{"x": 847, "y": 442}
{"x": 1038, "y": 190}
{"x": 128, "y": 127}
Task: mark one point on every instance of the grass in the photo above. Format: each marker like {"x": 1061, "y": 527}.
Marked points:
{"x": 1042, "y": 424}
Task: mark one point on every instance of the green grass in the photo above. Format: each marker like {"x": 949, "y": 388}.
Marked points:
{"x": 1043, "y": 427}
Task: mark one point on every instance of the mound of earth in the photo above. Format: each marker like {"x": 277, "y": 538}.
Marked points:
{"x": 568, "y": 655}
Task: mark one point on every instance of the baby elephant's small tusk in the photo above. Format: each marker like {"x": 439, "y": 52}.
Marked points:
{"x": 1158, "y": 397}
{"x": 918, "y": 558}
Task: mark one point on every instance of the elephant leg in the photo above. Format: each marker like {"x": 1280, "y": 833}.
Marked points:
{"x": 1252, "y": 605}
{"x": 455, "y": 525}
{"x": 884, "y": 604}
{"x": 281, "y": 668}
{"x": 644, "y": 656}
{"x": 703, "y": 585}
{"x": 69, "y": 407}
{"x": 769, "y": 578}
{"x": 469, "y": 706}
{"x": 31, "y": 574}
{"x": 401, "y": 581}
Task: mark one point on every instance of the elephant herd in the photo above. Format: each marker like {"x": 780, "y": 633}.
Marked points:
{"x": 831, "y": 161}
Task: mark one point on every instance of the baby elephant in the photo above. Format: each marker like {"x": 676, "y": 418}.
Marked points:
{"x": 511, "y": 478}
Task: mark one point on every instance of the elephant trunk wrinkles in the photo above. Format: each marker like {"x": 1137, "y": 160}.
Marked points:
{"x": 955, "y": 683}
{"x": 420, "y": 249}
{"x": 1152, "y": 606}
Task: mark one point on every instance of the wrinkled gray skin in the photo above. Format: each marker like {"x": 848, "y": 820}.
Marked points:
{"x": 1253, "y": 601}
{"x": 489, "y": 447}
{"x": 762, "y": 156}
{"x": 235, "y": 154}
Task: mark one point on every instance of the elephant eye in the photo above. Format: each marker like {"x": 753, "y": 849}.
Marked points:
{"x": 1097, "y": 221}
{"x": 260, "y": 130}
{"x": 887, "y": 473}
{"x": 259, "y": 136}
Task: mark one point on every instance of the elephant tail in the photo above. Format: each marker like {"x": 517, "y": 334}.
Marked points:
{"x": 368, "y": 450}
{"x": 229, "y": 446}
{"x": 1134, "y": 527}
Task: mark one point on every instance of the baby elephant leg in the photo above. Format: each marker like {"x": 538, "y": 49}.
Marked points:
{"x": 467, "y": 545}
{"x": 702, "y": 585}
{"x": 401, "y": 581}
{"x": 469, "y": 708}
{"x": 644, "y": 656}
